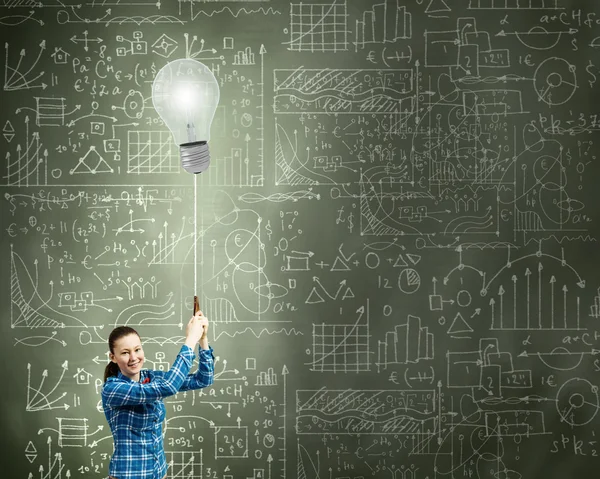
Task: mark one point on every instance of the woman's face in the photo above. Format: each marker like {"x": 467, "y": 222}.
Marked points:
{"x": 129, "y": 356}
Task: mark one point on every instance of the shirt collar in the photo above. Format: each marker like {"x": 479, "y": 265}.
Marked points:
{"x": 143, "y": 374}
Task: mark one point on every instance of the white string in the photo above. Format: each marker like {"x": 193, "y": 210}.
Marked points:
{"x": 195, "y": 234}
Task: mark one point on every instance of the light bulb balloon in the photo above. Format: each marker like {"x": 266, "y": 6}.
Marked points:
{"x": 185, "y": 94}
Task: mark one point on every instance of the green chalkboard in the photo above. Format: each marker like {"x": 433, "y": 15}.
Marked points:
{"x": 395, "y": 243}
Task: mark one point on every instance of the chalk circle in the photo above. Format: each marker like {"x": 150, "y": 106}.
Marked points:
{"x": 246, "y": 120}
{"x": 62, "y": 17}
{"x": 577, "y": 402}
{"x": 85, "y": 338}
{"x": 409, "y": 281}
{"x": 269, "y": 441}
{"x": 463, "y": 298}
{"x": 56, "y": 173}
{"x": 554, "y": 79}
{"x": 133, "y": 105}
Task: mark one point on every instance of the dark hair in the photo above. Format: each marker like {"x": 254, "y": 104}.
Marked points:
{"x": 112, "y": 369}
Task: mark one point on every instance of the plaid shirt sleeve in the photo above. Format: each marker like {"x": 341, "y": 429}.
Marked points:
{"x": 131, "y": 393}
{"x": 205, "y": 374}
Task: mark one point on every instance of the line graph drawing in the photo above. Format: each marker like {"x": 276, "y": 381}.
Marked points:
{"x": 318, "y": 27}
{"x": 16, "y": 77}
{"x": 151, "y": 152}
{"x": 28, "y": 165}
{"x": 342, "y": 348}
{"x": 37, "y": 400}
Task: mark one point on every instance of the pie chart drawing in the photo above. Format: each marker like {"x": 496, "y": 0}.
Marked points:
{"x": 409, "y": 281}
{"x": 555, "y": 81}
{"x": 577, "y": 401}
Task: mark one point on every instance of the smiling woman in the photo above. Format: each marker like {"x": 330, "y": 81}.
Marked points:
{"x": 129, "y": 356}
{"x": 132, "y": 397}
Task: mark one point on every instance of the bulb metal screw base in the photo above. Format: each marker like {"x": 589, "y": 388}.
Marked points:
{"x": 195, "y": 157}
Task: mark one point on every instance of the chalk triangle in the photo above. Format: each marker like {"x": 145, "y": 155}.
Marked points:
{"x": 413, "y": 258}
{"x": 348, "y": 294}
{"x": 8, "y": 128}
{"x": 436, "y": 6}
{"x": 81, "y": 167}
{"x": 314, "y": 297}
{"x": 102, "y": 167}
{"x": 339, "y": 265}
{"x": 459, "y": 325}
{"x": 31, "y": 448}
{"x": 400, "y": 262}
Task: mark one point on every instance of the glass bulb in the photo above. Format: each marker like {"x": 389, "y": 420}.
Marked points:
{"x": 185, "y": 94}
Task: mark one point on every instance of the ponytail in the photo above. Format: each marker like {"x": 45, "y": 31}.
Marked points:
{"x": 112, "y": 369}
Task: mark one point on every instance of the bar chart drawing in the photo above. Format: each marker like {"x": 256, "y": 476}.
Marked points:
{"x": 547, "y": 304}
{"x": 234, "y": 170}
{"x": 407, "y": 343}
{"x": 318, "y": 27}
{"x": 244, "y": 57}
{"x": 595, "y": 308}
{"x": 266, "y": 378}
{"x": 386, "y": 22}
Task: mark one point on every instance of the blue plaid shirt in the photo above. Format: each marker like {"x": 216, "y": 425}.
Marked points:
{"x": 135, "y": 412}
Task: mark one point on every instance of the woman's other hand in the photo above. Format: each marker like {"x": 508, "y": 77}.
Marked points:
{"x": 194, "y": 330}
{"x": 204, "y": 322}
{"x": 204, "y": 338}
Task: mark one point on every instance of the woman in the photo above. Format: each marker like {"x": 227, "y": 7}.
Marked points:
{"x": 132, "y": 397}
